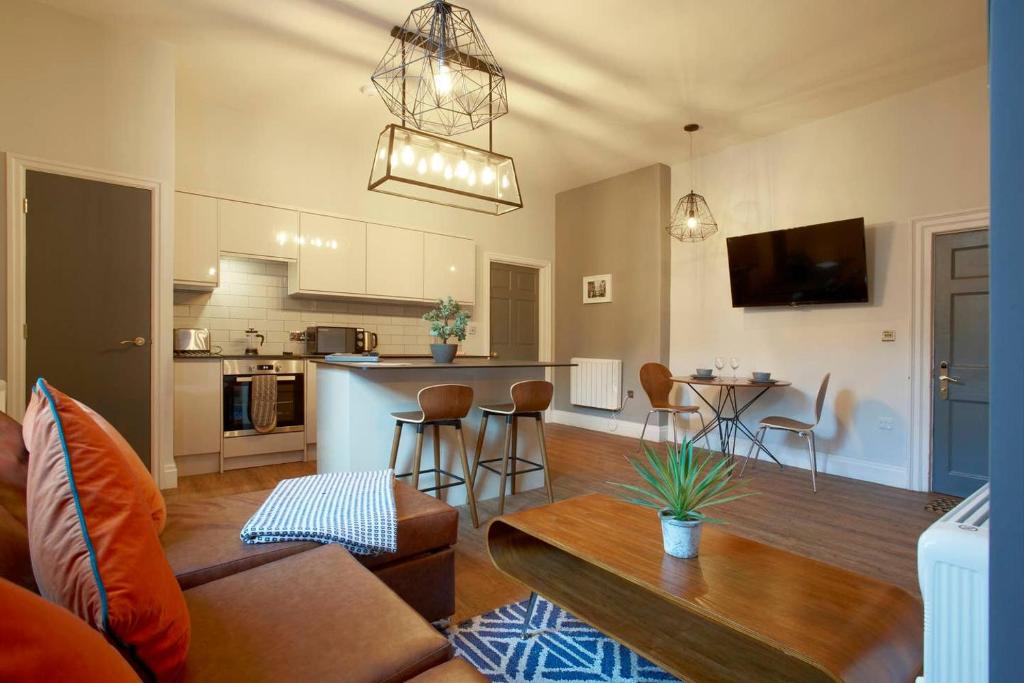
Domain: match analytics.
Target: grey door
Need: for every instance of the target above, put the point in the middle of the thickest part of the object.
(87, 289)
(514, 312)
(960, 404)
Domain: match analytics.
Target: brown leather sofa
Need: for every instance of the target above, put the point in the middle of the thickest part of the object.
(287, 611)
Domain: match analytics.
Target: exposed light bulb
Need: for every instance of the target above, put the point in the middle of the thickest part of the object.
(504, 181)
(471, 179)
(421, 167)
(462, 168)
(382, 154)
(448, 172)
(443, 80)
(487, 176)
(408, 156)
(691, 222)
(394, 159)
(436, 162)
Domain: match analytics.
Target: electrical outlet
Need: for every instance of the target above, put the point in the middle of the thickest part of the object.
(471, 330)
(888, 335)
(885, 423)
(629, 393)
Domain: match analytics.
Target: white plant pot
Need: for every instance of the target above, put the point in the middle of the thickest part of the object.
(681, 539)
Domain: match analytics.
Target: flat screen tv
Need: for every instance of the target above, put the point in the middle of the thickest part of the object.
(815, 264)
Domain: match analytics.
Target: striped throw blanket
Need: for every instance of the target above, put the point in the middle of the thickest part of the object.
(353, 509)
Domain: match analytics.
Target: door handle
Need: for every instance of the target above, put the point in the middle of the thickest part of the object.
(137, 341)
(947, 378)
(494, 354)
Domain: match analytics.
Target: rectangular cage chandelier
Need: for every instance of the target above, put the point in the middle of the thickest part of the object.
(417, 165)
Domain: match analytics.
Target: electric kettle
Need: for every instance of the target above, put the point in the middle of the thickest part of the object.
(251, 347)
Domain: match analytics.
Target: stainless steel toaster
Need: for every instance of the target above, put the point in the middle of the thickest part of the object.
(191, 339)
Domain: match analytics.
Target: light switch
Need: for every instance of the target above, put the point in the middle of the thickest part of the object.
(888, 335)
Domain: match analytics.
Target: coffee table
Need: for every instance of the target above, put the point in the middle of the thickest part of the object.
(742, 611)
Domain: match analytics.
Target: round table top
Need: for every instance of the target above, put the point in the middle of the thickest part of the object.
(730, 382)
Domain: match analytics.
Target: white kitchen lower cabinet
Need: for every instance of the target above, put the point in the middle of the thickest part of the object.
(394, 262)
(310, 380)
(198, 424)
(449, 268)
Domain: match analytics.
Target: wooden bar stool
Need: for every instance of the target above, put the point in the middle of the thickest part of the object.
(441, 405)
(529, 399)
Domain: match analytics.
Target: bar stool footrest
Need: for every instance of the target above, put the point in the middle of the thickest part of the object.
(536, 466)
(455, 480)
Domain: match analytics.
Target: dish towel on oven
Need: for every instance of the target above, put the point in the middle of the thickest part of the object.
(263, 403)
(353, 509)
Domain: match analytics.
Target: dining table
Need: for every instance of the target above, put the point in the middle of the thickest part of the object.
(728, 407)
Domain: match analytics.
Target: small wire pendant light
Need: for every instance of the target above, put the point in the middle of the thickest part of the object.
(691, 219)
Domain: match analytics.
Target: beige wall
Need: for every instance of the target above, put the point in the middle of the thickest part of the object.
(84, 94)
(321, 161)
(920, 153)
(613, 226)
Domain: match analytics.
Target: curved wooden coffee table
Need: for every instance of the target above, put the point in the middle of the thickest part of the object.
(742, 611)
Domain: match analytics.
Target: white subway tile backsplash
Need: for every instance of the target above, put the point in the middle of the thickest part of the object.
(254, 293)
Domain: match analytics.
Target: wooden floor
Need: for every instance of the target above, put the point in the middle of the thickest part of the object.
(867, 528)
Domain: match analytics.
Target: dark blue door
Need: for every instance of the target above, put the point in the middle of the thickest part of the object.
(960, 362)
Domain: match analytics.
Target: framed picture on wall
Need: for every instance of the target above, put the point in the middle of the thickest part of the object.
(597, 289)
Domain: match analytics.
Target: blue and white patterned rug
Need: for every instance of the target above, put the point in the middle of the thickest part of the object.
(560, 648)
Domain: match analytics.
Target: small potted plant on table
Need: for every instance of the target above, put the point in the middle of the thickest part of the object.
(680, 487)
(447, 320)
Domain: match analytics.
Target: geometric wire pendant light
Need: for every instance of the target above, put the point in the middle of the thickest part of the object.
(439, 74)
(691, 219)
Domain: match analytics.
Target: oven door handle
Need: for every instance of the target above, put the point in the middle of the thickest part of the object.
(280, 378)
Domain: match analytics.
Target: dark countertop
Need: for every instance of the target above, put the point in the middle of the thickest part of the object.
(462, 362)
(298, 356)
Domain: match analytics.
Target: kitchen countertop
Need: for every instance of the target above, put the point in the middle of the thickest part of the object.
(297, 356)
(462, 362)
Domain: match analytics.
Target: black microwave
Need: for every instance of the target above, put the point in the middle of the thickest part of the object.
(321, 341)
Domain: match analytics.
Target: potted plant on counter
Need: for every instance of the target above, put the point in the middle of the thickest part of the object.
(447, 321)
(680, 487)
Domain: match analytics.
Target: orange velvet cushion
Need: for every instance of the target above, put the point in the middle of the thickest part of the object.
(147, 487)
(44, 642)
(94, 548)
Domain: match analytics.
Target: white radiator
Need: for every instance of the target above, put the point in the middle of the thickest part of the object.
(596, 383)
(952, 566)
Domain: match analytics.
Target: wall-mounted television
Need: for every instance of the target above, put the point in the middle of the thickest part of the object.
(815, 264)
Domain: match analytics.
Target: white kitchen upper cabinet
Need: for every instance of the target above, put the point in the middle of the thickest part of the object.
(196, 252)
(256, 230)
(198, 426)
(332, 256)
(394, 262)
(449, 268)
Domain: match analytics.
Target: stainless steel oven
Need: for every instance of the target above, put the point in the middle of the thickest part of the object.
(291, 409)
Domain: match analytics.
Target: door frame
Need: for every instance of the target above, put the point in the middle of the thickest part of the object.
(923, 232)
(17, 166)
(545, 340)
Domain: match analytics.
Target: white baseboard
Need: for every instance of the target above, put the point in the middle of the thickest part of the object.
(841, 465)
(598, 423)
(828, 463)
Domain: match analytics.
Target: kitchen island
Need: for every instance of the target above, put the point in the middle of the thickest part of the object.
(354, 402)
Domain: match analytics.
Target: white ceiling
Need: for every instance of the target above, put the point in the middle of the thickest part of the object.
(596, 87)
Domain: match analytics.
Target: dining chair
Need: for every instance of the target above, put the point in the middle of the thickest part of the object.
(786, 424)
(657, 382)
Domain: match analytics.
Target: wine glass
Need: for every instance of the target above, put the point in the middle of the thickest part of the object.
(734, 363)
(719, 363)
